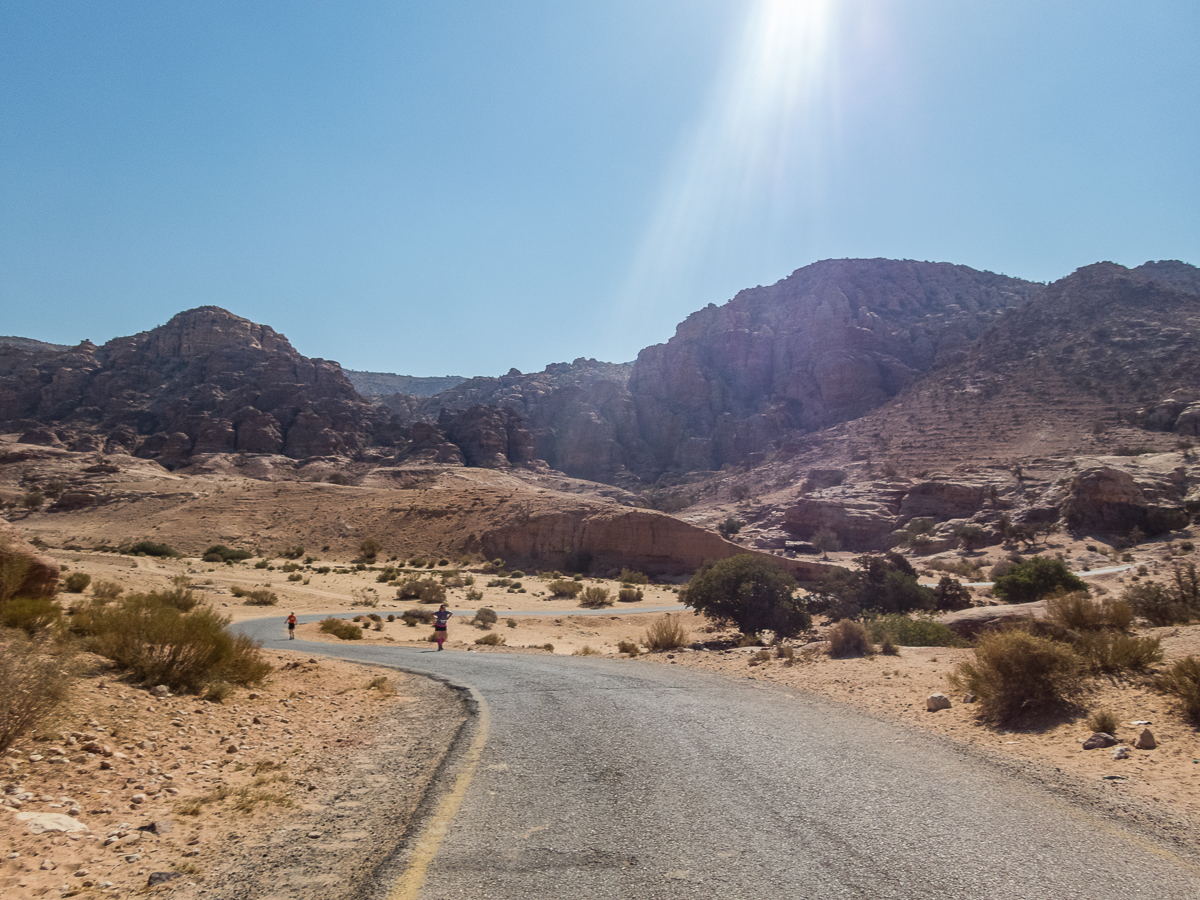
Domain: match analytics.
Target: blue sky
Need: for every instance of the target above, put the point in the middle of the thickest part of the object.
(458, 187)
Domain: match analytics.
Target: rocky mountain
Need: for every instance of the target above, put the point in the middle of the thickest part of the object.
(1079, 407)
(827, 344)
(378, 384)
(28, 343)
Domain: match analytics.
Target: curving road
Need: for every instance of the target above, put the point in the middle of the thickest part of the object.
(618, 779)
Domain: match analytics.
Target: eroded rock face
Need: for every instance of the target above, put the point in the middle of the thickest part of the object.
(488, 436)
(942, 500)
(41, 573)
(640, 539)
(859, 524)
(1107, 499)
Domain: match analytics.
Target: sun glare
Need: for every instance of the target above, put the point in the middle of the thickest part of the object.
(762, 134)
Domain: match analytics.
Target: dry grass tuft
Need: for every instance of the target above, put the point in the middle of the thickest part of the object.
(667, 633)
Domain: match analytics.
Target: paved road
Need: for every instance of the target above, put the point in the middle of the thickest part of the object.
(622, 779)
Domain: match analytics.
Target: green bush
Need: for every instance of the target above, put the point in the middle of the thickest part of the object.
(369, 549)
(340, 628)
(1157, 605)
(629, 576)
(1113, 651)
(33, 683)
(1017, 675)
(667, 633)
(751, 592)
(563, 587)
(221, 553)
(595, 597)
(849, 638)
(1181, 681)
(882, 584)
(30, 614)
(912, 631)
(629, 594)
(150, 548)
(1034, 578)
(152, 639)
(77, 582)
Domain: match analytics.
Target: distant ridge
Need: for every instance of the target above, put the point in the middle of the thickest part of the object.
(375, 384)
(22, 343)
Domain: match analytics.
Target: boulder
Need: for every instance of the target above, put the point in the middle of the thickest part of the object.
(1146, 740)
(935, 702)
(41, 572)
(859, 524)
(942, 500)
(971, 622)
(1099, 740)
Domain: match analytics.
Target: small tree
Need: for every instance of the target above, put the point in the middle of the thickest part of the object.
(369, 549)
(972, 536)
(826, 540)
(730, 526)
(752, 593)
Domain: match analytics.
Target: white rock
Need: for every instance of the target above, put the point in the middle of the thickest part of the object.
(37, 823)
(934, 702)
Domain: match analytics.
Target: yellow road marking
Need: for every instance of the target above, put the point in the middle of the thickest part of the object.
(408, 885)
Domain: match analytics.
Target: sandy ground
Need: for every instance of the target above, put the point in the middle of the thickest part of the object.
(214, 791)
(290, 737)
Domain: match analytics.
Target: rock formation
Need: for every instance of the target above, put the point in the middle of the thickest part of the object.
(24, 572)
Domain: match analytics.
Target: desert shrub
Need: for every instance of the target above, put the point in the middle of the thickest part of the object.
(730, 526)
(255, 597)
(218, 691)
(33, 683)
(486, 617)
(629, 594)
(1156, 604)
(33, 499)
(586, 650)
(1181, 681)
(77, 582)
(629, 576)
(490, 640)
(263, 564)
(411, 617)
(1077, 612)
(667, 633)
(106, 591)
(595, 597)
(887, 648)
(425, 590)
(501, 582)
(30, 614)
(295, 576)
(369, 549)
(628, 647)
(221, 553)
(474, 596)
(292, 553)
(511, 623)
(882, 584)
(150, 548)
(912, 631)
(849, 638)
(155, 641)
(563, 587)
(1115, 651)
(1034, 578)
(340, 628)
(1104, 721)
(290, 567)
(752, 593)
(785, 651)
(417, 562)
(548, 646)
(387, 574)
(1016, 674)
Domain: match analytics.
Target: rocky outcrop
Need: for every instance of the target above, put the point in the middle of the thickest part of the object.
(941, 499)
(859, 524)
(488, 436)
(612, 539)
(1104, 499)
(32, 574)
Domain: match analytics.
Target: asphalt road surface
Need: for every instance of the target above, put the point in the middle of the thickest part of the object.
(597, 778)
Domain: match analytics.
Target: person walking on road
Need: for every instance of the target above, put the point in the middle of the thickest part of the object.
(291, 623)
(440, 618)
